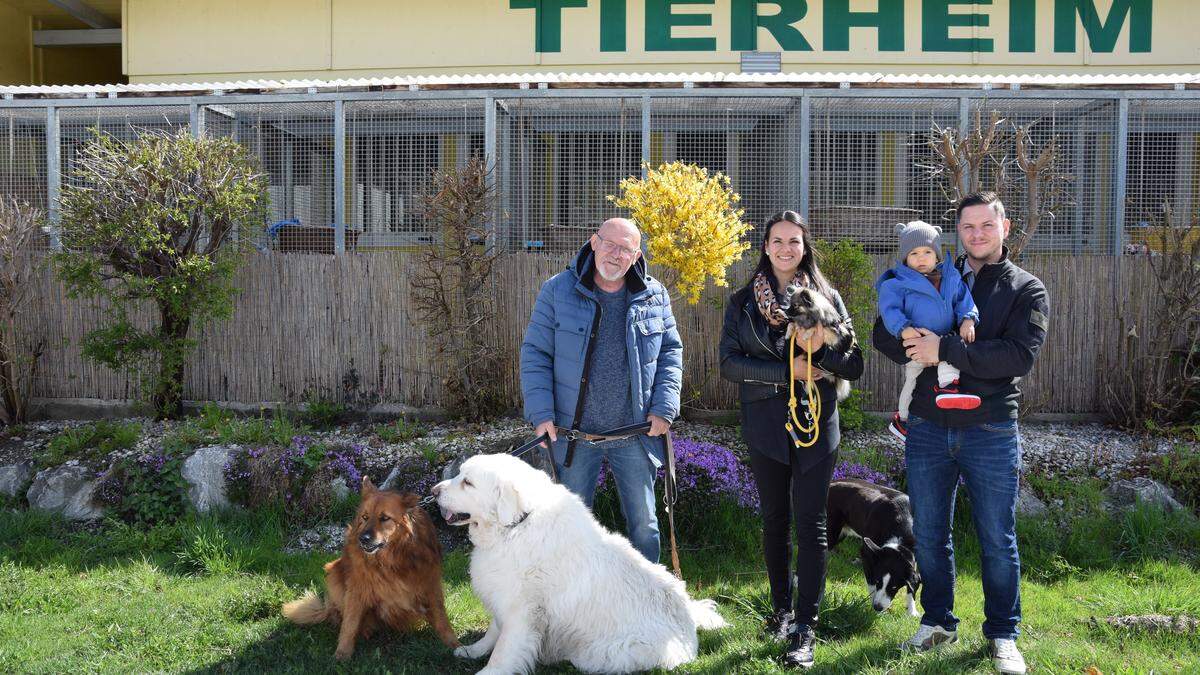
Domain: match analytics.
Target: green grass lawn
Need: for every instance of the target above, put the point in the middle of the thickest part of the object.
(204, 595)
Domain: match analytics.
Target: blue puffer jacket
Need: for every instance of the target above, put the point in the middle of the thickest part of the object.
(907, 298)
(557, 349)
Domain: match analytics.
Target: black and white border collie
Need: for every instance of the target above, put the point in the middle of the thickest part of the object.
(882, 517)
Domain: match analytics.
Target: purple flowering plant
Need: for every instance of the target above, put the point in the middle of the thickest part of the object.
(847, 469)
(144, 489)
(705, 473)
(299, 477)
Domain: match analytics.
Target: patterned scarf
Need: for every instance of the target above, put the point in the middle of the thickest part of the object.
(768, 303)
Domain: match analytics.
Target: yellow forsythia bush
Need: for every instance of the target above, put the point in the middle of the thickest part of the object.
(690, 221)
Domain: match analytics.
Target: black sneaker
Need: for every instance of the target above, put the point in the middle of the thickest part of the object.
(799, 652)
(779, 624)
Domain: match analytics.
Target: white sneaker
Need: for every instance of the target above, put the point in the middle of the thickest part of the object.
(928, 638)
(1007, 658)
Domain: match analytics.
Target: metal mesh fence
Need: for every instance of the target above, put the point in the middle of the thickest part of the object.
(754, 141)
(77, 126)
(394, 148)
(866, 167)
(294, 143)
(1163, 167)
(559, 157)
(1084, 132)
(558, 161)
(23, 159)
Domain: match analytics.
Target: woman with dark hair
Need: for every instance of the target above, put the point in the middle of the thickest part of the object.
(793, 481)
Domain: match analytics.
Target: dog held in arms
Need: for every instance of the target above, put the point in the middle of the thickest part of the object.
(558, 585)
(390, 574)
(883, 518)
(811, 313)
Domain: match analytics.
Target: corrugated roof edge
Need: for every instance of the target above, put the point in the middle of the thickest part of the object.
(567, 80)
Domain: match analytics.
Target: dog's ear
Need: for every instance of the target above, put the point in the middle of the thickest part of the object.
(367, 486)
(914, 583)
(510, 508)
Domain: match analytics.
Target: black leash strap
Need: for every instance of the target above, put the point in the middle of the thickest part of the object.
(670, 495)
(620, 433)
(542, 445)
(522, 449)
(670, 487)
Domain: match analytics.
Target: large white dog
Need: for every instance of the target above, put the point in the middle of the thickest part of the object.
(558, 585)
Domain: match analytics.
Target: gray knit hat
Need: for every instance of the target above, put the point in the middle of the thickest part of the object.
(919, 233)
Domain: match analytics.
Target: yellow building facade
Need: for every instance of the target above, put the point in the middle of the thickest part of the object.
(222, 40)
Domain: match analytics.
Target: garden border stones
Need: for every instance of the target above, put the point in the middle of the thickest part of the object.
(69, 489)
(15, 477)
(204, 472)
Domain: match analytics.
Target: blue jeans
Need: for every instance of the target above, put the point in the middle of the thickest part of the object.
(634, 474)
(988, 458)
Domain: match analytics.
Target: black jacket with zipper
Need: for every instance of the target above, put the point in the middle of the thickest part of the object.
(750, 359)
(1014, 311)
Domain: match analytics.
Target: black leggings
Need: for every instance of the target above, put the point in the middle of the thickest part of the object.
(785, 495)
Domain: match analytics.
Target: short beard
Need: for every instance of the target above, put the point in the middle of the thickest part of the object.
(604, 275)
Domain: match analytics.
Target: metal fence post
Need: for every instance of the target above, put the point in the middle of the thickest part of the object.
(1122, 165)
(53, 177)
(195, 120)
(964, 128)
(339, 177)
(646, 110)
(489, 162)
(805, 153)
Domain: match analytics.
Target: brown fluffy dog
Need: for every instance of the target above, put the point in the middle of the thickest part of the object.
(390, 573)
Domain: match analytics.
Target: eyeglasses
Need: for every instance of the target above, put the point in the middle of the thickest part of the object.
(613, 248)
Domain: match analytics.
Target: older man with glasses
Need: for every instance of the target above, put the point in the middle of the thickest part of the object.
(601, 352)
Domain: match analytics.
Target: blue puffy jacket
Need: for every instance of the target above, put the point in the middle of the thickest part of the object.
(907, 298)
(557, 348)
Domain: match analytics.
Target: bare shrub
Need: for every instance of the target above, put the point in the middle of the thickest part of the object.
(20, 225)
(453, 293)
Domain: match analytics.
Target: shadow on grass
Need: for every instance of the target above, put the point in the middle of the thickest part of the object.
(309, 649)
(232, 542)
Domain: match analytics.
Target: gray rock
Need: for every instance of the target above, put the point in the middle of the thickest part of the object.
(452, 467)
(338, 488)
(1029, 505)
(69, 489)
(14, 477)
(1161, 623)
(204, 472)
(1122, 495)
(323, 539)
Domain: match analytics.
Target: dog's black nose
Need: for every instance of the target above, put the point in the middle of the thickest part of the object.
(366, 538)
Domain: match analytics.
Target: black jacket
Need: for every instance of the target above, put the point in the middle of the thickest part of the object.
(749, 358)
(1014, 311)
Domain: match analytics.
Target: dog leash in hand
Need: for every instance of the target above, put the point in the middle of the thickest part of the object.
(670, 487)
(617, 434)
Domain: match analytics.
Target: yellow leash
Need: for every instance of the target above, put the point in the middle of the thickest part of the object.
(814, 400)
